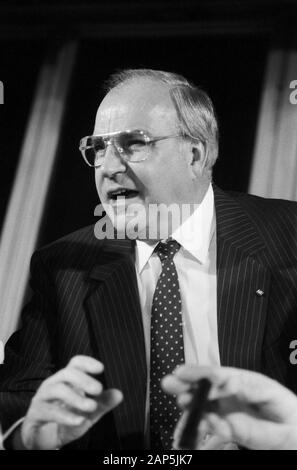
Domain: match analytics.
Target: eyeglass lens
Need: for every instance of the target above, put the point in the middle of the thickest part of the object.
(132, 145)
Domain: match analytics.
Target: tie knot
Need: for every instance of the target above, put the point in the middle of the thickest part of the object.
(166, 250)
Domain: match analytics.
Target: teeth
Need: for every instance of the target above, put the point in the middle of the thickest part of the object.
(116, 193)
(121, 191)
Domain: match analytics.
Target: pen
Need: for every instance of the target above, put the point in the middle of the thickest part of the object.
(194, 413)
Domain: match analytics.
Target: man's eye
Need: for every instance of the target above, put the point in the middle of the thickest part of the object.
(98, 146)
(135, 144)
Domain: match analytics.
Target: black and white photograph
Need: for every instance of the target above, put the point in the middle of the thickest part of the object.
(148, 216)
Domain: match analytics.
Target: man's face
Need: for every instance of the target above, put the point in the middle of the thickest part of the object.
(167, 175)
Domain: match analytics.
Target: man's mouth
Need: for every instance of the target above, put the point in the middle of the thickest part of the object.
(122, 193)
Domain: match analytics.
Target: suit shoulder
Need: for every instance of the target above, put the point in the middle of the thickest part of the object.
(274, 219)
(267, 207)
(74, 249)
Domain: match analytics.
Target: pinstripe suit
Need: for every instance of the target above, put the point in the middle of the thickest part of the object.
(86, 302)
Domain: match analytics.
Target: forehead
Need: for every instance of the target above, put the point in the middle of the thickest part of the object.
(140, 104)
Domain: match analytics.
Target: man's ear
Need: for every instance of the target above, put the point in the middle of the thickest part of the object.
(198, 158)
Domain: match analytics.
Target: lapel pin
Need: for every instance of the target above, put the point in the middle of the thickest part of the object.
(260, 292)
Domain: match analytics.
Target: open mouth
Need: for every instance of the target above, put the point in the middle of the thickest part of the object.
(122, 193)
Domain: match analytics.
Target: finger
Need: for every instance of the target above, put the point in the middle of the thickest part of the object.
(246, 385)
(254, 387)
(191, 373)
(219, 426)
(52, 413)
(184, 399)
(78, 380)
(173, 385)
(86, 364)
(248, 432)
(65, 395)
(213, 442)
(226, 377)
(108, 400)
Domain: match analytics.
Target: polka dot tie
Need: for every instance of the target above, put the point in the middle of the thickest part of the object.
(167, 348)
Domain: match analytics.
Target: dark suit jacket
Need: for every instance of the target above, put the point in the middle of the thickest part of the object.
(86, 301)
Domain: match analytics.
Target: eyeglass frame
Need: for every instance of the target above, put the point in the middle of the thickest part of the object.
(149, 140)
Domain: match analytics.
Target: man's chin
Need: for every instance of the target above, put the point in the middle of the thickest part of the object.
(126, 227)
(137, 221)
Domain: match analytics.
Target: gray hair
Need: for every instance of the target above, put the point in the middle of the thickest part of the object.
(195, 111)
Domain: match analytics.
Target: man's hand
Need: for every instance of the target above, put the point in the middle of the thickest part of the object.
(243, 407)
(66, 405)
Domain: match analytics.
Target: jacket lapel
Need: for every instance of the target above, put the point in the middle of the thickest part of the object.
(115, 316)
(242, 285)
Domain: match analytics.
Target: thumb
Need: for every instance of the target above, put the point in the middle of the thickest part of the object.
(108, 400)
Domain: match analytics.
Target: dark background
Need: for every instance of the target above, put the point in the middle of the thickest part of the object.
(220, 45)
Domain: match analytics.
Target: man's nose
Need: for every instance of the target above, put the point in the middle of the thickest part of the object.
(113, 161)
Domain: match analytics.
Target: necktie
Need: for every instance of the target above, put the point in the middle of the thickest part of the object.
(167, 348)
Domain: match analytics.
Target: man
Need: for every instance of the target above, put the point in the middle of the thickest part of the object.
(220, 287)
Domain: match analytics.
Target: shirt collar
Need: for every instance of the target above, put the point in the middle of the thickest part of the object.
(196, 232)
(143, 253)
(194, 235)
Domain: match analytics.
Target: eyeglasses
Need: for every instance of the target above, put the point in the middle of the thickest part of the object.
(132, 145)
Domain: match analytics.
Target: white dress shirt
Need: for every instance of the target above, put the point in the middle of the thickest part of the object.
(196, 268)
